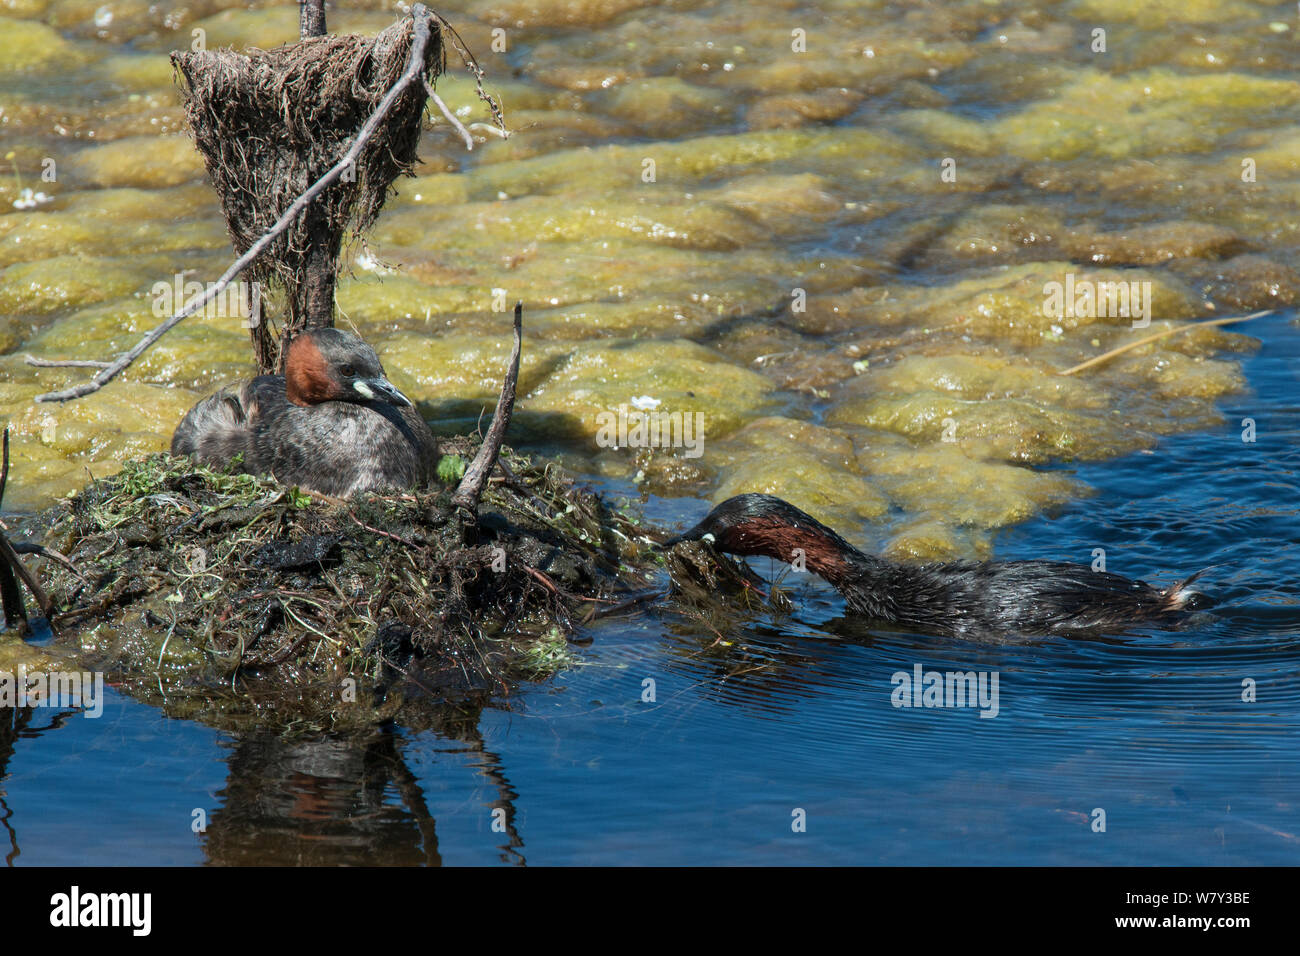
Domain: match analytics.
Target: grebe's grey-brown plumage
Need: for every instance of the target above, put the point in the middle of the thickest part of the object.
(955, 598)
(333, 423)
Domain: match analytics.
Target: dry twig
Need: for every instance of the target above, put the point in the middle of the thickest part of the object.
(1120, 350)
(471, 485)
(12, 568)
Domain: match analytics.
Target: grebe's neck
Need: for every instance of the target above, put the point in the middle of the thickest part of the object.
(761, 525)
(307, 379)
(819, 550)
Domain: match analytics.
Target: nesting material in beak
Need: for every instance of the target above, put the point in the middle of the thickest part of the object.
(691, 535)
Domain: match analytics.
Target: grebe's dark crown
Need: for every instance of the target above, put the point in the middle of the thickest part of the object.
(727, 515)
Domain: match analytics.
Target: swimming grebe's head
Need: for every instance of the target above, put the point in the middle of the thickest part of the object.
(330, 365)
(767, 525)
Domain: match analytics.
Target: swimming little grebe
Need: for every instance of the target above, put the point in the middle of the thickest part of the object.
(332, 423)
(957, 598)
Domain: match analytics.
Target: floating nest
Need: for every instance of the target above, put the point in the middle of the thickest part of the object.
(208, 590)
(232, 599)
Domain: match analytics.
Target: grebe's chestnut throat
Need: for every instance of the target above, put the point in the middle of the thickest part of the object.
(332, 423)
(955, 598)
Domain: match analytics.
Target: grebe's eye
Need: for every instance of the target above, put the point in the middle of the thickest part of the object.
(348, 370)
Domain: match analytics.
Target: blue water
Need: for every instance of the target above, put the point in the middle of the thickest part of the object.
(748, 730)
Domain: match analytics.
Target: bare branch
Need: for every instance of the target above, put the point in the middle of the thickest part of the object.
(31, 547)
(489, 128)
(311, 18)
(451, 117)
(11, 596)
(471, 485)
(65, 363)
(414, 69)
(11, 565)
(45, 602)
(471, 64)
(4, 472)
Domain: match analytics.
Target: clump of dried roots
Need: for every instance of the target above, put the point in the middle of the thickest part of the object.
(270, 123)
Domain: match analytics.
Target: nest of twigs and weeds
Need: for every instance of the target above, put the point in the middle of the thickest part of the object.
(235, 600)
(214, 589)
(712, 588)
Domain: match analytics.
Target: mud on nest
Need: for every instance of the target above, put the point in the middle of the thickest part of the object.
(228, 591)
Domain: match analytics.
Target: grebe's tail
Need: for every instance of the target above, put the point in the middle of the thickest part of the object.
(214, 430)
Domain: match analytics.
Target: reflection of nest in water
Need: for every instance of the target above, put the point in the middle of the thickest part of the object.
(270, 123)
(193, 583)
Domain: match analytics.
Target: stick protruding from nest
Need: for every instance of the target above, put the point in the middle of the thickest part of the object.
(12, 569)
(470, 488)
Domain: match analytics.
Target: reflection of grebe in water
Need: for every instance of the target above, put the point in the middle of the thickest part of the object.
(332, 423)
(1025, 597)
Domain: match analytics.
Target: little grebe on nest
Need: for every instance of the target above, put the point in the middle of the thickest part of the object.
(333, 423)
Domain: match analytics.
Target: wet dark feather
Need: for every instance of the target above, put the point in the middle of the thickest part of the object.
(957, 598)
